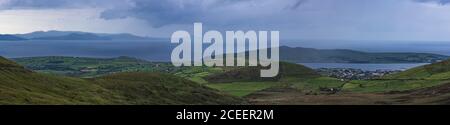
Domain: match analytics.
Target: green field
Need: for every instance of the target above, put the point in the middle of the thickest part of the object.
(307, 85)
(318, 84)
(92, 67)
(370, 86)
(241, 89)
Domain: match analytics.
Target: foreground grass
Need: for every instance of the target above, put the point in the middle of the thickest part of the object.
(315, 85)
(370, 86)
(22, 86)
(197, 74)
(241, 89)
(325, 84)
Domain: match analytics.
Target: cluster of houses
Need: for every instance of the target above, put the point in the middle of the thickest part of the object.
(354, 74)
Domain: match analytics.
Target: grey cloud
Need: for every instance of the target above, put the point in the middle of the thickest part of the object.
(164, 12)
(39, 4)
(161, 13)
(36, 3)
(57, 4)
(440, 2)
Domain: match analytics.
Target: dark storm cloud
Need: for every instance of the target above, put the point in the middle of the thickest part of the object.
(165, 12)
(159, 12)
(37, 3)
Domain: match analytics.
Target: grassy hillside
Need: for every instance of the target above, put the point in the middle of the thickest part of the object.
(127, 80)
(436, 71)
(21, 86)
(252, 74)
(246, 80)
(305, 81)
(318, 85)
(156, 88)
(370, 86)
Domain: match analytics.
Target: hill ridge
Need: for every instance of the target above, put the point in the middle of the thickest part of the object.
(311, 55)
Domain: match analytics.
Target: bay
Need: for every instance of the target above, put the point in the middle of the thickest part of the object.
(365, 66)
(148, 50)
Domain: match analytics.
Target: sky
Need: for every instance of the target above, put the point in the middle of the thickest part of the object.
(371, 20)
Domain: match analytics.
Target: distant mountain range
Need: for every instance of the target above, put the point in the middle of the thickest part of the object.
(75, 36)
(10, 38)
(71, 35)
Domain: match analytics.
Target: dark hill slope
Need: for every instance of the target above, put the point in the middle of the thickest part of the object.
(154, 88)
(436, 95)
(21, 86)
